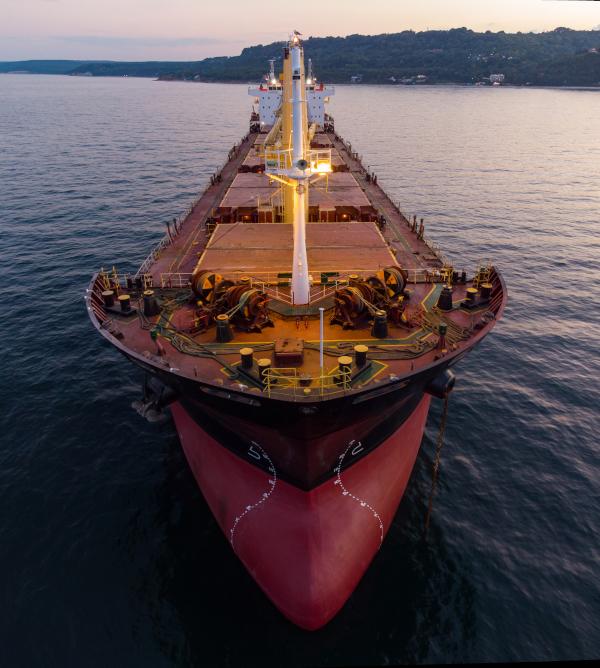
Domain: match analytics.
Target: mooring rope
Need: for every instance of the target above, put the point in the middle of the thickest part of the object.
(436, 462)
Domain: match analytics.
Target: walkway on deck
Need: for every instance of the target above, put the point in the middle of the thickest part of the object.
(179, 256)
(182, 254)
(411, 252)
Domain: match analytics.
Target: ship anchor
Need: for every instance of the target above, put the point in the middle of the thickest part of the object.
(155, 398)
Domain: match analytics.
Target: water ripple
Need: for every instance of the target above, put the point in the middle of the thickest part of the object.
(107, 543)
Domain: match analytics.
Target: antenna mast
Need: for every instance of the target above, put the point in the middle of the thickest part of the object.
(289, 160)
(300, 279)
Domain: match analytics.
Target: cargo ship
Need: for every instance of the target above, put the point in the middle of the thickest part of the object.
(297, 324)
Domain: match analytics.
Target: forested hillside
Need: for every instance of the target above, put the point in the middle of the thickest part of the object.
(562, 57)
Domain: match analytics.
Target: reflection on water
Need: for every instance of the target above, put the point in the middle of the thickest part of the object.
(108, 548)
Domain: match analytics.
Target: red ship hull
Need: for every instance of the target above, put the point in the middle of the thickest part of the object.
(307, 550)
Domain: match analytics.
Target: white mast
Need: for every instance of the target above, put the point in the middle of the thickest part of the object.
(293, 164)
(300, 279)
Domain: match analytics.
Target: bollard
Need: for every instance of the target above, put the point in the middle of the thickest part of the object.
(486, 291)
(264, 365)
(125, 302)
(380, 326)
(150, 304)
(360, 355)
(224, 332)
(247, 358)
(444, 302)
(109, 298)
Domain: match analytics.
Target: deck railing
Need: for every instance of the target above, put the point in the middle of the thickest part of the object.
(153, 255)
(289, 381)
(278, 284)
(168, 239)
(317, 292)
(175, 280)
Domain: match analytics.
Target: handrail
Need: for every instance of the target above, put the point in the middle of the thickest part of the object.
(168, 239)
(112, 280)
(270, 281)
(317, 292)
(153, 255)
(286, 379)
(175, 280)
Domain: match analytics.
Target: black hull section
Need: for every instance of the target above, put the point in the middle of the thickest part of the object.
(304, 439)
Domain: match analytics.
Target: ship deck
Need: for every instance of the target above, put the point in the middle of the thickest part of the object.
(352, 189)
(256, 249)
(228, 232)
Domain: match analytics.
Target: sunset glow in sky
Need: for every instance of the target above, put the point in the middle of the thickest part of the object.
(195, 29)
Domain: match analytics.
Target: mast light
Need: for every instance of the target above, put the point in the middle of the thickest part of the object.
(322, 168)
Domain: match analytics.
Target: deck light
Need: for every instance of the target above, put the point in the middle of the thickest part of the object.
(323, 168)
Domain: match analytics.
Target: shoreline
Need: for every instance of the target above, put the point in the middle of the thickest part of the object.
(448, 84)
(390, 85)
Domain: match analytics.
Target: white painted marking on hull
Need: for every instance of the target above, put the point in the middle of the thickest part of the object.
(338, 481)
(252, 451)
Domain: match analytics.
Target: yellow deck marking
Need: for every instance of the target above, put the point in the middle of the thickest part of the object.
(394, 259)
(382, 368)
(378, 342)
(428, 295)
(185, 249)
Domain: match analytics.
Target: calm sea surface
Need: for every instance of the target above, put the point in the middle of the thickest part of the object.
(108, 553)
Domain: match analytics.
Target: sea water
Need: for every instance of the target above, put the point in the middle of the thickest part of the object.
(109, 554)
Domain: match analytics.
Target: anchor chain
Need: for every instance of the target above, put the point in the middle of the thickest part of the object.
(436, 463)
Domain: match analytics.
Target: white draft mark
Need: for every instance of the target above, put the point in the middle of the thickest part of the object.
(258, 455)
(338, 481)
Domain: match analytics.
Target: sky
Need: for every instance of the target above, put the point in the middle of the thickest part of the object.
(196, 29)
